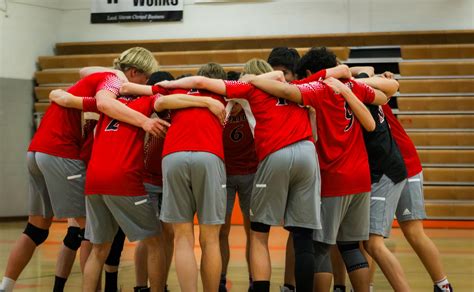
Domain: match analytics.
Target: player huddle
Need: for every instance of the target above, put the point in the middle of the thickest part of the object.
(323, 155)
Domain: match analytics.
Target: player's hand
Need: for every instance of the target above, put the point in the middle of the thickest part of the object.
(123, 88)
(218, 109)
(247, 77)
(388, 75)
(156, 127)
(336, 85)
(59, 96)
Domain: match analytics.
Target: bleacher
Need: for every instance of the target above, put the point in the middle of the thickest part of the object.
(435, 102)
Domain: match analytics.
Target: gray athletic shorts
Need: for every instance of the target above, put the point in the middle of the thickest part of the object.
(287, 188)
(56, 186)
(243, 185)
(155, 193)
(383, 203)
(344, 218)
(193, 182)
(134, 214)
(411, 205)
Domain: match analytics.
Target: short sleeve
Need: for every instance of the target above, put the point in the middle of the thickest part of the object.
(89, 104)
(238, 89)
(111, 83)
(311, 92)
(318, 76)
(365, 93)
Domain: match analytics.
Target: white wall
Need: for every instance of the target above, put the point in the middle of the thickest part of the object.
(27, 32)
(276, 17)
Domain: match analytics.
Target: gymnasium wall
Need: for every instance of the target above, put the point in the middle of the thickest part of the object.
(27, 32)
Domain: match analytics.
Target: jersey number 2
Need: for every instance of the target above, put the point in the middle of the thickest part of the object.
(112, 126)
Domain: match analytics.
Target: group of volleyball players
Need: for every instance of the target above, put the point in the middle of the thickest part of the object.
(312, 146)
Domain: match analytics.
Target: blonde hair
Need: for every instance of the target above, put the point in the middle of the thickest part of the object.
(257, 67)
(212, 70)
(138, 58)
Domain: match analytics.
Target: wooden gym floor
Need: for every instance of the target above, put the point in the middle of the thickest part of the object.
(456, 247)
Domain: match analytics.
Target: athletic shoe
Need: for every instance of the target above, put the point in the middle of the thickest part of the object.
(285, 289)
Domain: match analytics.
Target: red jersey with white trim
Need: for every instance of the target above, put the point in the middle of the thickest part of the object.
(405, 144)
(60, 133)
(194, 129)
(341, 149)
(116, 165)
(239, 146)
(276, 123)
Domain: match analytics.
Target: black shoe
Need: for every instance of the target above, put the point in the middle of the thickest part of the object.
(446, 288)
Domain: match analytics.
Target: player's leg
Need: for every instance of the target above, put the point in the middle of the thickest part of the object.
(410, 213)
(289, 277)
(37, 228)
(224, 233)
(260, 256)
(141, 268)
(168, 238)
(178, 208)
(354, 229)
(209, 189)
(302, 214)
(185, 261)
(338, 270)
(247, 250)
(101, 229)
(113, 261)
(384, 199)
(322, 266)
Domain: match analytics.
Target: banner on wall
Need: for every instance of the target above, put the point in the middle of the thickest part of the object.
(113, 11)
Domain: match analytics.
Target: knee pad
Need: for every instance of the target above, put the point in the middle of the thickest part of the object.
(259, 227)
(322, 257)
(73, 237)
(113, 259)
(36, 234)
(302, 239)
(352, 256)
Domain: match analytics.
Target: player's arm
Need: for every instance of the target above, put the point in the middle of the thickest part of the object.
(339, 72)
(65, 99)
(369, 70)
(130, 88)
(197, 82)
(273, 75)
(179, 101)
(86, 71)
(109, 105)
(278, 89)
(385, 88)
(358, 108)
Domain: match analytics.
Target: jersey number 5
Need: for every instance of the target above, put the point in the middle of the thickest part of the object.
(112, 126)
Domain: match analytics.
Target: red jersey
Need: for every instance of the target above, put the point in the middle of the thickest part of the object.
(87, 140)
(239, 146)
(116, 165)
(60, 133)
(404, 143)
(341, 149)
(153, 155)
(194, 129)
(276, 123)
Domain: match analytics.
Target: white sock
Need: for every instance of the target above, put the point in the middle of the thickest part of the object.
(443, 284)
(7, 284)
(371, 287)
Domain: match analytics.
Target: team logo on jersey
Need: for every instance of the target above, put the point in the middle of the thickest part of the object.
(349, 116)
(381, 115)
(112, 126)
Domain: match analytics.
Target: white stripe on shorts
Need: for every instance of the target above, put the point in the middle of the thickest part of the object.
(261, 185)
(74, 176)
(141, 202)
(378, 198)
(413, 179)
(223, 186)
